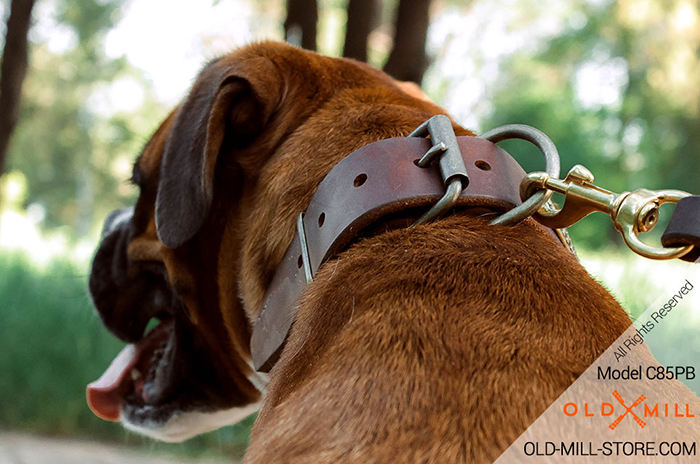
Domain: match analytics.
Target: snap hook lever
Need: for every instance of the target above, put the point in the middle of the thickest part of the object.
(632, 213)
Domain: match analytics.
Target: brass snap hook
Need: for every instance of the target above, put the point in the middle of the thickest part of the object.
(639, 212)
(632, 213)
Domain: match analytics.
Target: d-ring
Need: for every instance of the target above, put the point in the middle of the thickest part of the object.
(552, 167)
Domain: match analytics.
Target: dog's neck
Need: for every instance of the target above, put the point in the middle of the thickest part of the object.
(403, 320)
(380, 182)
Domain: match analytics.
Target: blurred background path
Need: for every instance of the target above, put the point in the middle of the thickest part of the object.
(17, 448)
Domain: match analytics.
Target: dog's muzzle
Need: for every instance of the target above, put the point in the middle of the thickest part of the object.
(164, 383)
(126, 295)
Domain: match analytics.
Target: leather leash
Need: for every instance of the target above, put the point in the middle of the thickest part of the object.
(684, 227)
(369, 184)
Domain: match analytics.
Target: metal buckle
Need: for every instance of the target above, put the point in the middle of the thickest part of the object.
(632, 212)
(452, 168)
(305, 259)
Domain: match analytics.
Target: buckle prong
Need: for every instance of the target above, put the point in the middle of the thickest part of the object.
(431, 154)
(452, 169)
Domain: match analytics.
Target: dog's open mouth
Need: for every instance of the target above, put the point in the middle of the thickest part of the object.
(141, 379)
(168, 382)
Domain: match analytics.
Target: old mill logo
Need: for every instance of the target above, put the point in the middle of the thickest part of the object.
(628, 410)
(608, 409)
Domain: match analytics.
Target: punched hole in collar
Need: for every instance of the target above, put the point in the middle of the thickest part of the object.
(300, 262)
(483, 165)
(359, 180)
(321, 219)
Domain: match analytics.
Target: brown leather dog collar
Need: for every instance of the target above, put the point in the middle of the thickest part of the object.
(369, 184)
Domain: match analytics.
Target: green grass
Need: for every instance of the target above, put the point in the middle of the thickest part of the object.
(51, 345)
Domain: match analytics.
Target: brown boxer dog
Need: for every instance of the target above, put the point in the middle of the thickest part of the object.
(440, 343)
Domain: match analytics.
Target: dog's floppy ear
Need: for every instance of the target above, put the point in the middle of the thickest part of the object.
(232, 101)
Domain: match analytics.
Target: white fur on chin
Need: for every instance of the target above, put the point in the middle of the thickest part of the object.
(184, 425)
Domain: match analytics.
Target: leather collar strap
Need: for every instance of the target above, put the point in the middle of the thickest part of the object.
(375, 181)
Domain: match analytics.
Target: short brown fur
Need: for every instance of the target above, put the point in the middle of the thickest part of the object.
(437, 344)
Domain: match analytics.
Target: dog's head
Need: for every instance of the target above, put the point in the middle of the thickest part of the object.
(221, 184)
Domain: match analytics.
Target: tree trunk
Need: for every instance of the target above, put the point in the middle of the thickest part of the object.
(301, 22)
(363, 18)
(13, 69)
(408, 61)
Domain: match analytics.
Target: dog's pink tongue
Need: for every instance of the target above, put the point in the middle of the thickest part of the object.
(106, 394)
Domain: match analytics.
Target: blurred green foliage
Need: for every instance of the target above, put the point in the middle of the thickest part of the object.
(52, 342)
(75, 155)
(618, 92)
